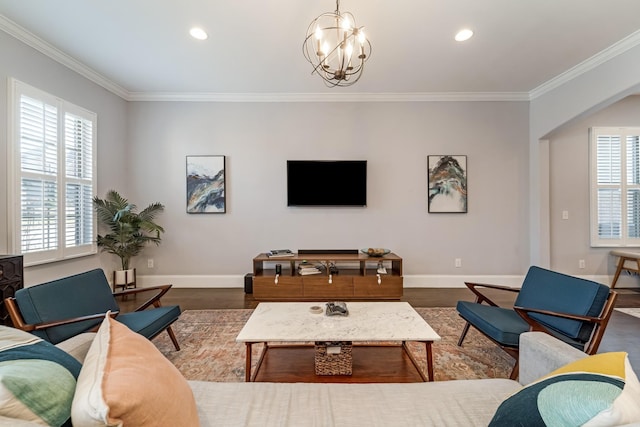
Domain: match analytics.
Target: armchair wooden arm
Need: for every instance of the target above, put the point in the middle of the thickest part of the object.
(480, 297)
(154, 300)
(19, 323)
(524, 312)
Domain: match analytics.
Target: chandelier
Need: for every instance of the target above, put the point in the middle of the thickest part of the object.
(336, 48)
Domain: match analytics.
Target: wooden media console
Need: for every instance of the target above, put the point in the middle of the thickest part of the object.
(357, 277)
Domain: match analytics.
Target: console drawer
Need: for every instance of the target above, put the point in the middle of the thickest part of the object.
(368, 286)
(319, 287)
(264, 287)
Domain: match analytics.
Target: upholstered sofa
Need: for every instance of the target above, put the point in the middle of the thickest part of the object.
(152, 392)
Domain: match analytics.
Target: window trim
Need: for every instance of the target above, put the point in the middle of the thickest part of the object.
(62, 252)
(595, 239)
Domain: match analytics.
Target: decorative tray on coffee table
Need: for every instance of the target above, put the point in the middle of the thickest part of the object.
(337, 308)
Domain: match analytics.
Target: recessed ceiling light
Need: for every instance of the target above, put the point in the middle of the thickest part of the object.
(198, 33)
(464, 35)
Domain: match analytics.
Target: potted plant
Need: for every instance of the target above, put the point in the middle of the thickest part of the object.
(128, 231)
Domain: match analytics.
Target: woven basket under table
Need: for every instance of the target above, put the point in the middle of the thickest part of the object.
(334, 364)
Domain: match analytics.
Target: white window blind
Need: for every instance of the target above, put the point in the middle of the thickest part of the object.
(79, 181)
(53, 170)
(615, 186)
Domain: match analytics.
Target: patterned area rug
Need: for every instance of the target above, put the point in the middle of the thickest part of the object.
(209, 351)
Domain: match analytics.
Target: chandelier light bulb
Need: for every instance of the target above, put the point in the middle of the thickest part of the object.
(330, 44)
(349, 51)
(325, 49)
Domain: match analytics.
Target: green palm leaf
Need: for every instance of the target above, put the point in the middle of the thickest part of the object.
(128, 230)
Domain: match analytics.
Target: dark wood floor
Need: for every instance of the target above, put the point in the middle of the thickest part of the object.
(203, 299)
(623, 332)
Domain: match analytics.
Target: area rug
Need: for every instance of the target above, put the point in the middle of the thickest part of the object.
(209, 351)
(635, 312)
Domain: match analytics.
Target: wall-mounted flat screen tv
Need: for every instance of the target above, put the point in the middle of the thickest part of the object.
(326, 182)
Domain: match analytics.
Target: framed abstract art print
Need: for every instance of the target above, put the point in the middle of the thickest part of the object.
(447, 184)
(206, 184)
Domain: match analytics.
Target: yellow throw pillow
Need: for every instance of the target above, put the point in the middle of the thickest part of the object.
(599, 390)
(126, 381)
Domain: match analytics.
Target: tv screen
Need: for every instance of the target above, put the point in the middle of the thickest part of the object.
(326, 182)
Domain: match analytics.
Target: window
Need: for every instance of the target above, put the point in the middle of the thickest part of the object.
(615, 186)
(52, 161)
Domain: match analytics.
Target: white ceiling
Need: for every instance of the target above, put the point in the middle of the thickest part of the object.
(143, 47)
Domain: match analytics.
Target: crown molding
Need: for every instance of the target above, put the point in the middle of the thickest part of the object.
(327, 97)
(57, 55)
(587, 65)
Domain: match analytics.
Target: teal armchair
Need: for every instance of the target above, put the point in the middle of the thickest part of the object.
(571, 309)
(63, 308)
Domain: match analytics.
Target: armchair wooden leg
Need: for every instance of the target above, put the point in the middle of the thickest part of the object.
(621, 261)
(173, 338)
(464, 333)
(515, 371)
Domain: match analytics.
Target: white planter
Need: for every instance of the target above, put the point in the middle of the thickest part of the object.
(124, 277)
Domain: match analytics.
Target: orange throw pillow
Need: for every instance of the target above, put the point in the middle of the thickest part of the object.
(126, 381)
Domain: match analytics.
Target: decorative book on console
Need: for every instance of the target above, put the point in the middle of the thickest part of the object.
(308, 271)
(306, 268)
(278, 253)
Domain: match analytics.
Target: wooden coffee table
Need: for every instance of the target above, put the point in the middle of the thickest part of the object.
(376, 324)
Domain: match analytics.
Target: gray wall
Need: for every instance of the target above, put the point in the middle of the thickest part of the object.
(395, 139)
(569, 177)
(571, 96)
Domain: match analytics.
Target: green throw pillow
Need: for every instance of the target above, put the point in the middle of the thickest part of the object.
(599, 390)
(37, 379)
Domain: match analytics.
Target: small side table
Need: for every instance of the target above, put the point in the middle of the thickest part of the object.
(624, 256)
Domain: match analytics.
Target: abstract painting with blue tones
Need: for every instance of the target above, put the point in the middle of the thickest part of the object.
(447, 184)
(206, 184)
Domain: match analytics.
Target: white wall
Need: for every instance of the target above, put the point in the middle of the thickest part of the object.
(29, 66)
(569, 175)
(395, 139)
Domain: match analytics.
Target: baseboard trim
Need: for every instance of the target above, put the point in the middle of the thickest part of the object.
(410, 281)
(441, 281)
(193, 281)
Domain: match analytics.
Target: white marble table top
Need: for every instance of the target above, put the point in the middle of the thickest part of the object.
(367, 321)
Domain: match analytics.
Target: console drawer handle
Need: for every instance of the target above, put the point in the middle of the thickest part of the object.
(330, 279)
(276, 279)
(379, 279)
